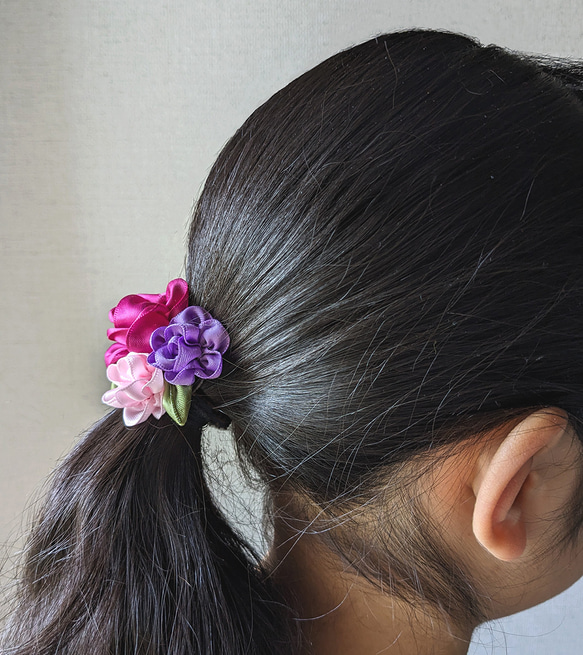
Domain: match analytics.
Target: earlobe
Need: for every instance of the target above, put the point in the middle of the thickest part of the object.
(506, 481)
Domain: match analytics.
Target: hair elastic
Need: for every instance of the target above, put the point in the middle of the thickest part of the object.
(161, 344)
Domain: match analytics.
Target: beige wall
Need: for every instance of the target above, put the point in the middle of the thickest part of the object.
(111, 113)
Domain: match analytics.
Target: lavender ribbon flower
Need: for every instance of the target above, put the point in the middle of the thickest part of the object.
(192, 345)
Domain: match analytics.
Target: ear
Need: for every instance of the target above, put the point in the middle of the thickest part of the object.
(508, 480)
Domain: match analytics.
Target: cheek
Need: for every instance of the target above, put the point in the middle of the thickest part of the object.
(572, 569)
(567, 569)
(554, 573)
(569, 566)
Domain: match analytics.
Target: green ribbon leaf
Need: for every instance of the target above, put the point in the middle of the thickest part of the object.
(176, 402)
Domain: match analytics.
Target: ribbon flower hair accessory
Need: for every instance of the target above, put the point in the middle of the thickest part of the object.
(160, 346)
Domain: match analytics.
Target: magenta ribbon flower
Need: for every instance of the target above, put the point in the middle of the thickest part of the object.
(192, 345)
(135, 318)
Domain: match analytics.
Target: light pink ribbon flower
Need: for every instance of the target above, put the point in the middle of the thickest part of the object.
(139, 388)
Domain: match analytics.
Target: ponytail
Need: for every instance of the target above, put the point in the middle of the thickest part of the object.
(131, 555)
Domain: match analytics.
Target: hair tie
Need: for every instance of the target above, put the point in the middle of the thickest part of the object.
(161, 344)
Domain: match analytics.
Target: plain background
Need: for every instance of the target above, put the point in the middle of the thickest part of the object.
(111, 113)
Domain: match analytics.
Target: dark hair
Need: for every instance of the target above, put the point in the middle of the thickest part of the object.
(394, 242)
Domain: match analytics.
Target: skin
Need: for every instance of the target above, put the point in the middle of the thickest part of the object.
(501, 505)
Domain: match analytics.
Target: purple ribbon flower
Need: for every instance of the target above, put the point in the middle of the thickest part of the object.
(192, 345)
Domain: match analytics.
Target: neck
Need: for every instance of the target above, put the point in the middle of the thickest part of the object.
(342, 614)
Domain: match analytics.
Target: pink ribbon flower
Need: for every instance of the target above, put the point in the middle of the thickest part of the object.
(135, 318)
(139, 388)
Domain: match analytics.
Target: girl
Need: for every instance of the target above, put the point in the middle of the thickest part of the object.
(384, 301)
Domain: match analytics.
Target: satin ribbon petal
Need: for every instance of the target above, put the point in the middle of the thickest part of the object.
(114, 353)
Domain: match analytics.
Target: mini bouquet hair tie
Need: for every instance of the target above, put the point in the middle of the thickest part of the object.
(160, 346)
